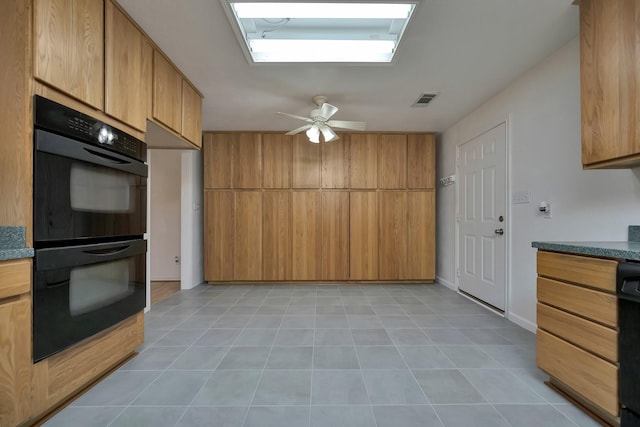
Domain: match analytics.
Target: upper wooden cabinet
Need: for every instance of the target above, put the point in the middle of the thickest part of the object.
(392, 161)
(127, 69)
(191, 114)
(167, 93)
(363, 160)
(421, 161)
(610, 83)
(69, 47)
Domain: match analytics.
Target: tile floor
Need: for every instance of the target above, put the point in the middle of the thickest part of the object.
(346, 356)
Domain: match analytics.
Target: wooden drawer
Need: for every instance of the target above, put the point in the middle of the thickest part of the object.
(594, 305)
(15, 277)
(593, 378)
(593, 337)
(592, 272)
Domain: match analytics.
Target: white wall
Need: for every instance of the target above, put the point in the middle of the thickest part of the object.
(164, 230)
(543, 112)
(192, 220)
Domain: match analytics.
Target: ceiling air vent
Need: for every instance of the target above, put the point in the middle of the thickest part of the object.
(424, 99)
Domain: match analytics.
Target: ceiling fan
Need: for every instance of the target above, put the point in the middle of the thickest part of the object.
(319, 122)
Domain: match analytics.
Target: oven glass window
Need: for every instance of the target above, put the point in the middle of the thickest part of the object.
(97, 189)
(97, 286)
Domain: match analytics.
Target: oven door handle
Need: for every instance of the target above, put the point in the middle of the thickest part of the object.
(76, 256)
(51, 143)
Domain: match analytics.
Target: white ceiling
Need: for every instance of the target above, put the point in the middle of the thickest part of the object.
(465, 49)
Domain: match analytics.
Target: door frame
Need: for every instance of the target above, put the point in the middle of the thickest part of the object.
(507, 261)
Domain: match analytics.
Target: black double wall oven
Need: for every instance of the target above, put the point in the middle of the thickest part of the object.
(90, 216)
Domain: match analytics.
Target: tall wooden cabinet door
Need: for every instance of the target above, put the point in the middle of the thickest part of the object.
(307, 240)
(218, 236)
(421, 161)
(392, 161)
(335, 163)
(218, 160)
(421, 236)
(15, 362)
(276, 160)
(276, 235)
(167, 93)
(363, 235)
(69, 47)
(306, 163)
(335, 235)
(125, 86)
(610, 79)
(191, 114)
(392, 230)
(363, 160)
(247, 236)
(247, 161)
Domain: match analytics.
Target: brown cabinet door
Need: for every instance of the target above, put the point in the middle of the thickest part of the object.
(247, 236)
(191, 114)
(126, 85)
(69, 47)
(15, 362)
(247, 161)
(218, 160)
(392, 161)
(218, 236)
(335, 163)
(392, 231)
(421, 236)
(335, 235)
(306, 163)
(610, 79)
(363, 160)
(276, 235)
(276, 157)
(307, 240)
(421, 161)
(363, 235)
(167, 93)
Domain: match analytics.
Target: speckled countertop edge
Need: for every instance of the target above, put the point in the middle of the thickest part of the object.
(13, 242)
(622, 250)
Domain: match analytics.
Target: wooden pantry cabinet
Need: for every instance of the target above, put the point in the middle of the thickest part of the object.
(577, 338)
(278, 208)
(610, 83)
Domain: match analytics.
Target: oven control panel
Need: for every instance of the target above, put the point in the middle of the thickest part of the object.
(63, 120)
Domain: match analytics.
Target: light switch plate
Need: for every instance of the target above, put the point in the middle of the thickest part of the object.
(520, 197)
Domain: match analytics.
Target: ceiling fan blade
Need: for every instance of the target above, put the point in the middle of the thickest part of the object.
(328, 133)
(327, 110)
(298, 130)
(293, 116)
(346, 124)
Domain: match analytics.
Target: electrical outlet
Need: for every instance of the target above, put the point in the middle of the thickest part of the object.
(520, 197)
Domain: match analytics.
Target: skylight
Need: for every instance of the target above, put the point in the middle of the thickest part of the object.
(319, 32)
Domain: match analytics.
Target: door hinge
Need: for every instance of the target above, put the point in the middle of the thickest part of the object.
(457, 272)
(458, 217)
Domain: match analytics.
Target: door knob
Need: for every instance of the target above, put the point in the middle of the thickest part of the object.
(499, 231)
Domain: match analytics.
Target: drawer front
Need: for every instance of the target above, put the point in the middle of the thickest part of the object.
(593, 378)
(595, 305)
(593, 337)
(15, 277)
(592, 272)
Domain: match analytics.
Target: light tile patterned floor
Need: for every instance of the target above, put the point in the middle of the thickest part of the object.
(318, 356)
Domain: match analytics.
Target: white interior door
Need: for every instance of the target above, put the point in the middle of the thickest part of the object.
(482, 217)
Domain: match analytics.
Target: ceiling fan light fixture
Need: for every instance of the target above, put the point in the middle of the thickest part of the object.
(328, 134)
(313, 133)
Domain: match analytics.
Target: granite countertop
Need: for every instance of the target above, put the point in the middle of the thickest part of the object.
(622, 250)
(13, 243)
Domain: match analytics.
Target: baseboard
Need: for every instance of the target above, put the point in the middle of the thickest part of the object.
(522, 322)
(446, 283)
